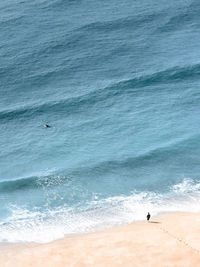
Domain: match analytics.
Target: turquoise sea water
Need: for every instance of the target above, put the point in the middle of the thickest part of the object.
(119, 82)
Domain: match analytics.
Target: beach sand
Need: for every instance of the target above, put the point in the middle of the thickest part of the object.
(169, 240)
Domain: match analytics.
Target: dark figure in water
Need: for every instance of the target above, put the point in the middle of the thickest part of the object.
(47, 126)
(148, 216)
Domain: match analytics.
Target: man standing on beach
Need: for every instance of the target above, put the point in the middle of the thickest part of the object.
(148, 216)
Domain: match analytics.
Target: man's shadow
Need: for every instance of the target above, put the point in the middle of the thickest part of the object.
(153, 222)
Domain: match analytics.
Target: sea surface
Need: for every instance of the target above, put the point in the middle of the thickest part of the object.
(119, 84)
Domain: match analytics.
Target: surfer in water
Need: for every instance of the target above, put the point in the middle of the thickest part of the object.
(148, 216)
(47, 126)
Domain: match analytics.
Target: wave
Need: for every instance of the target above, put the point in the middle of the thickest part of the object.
(10, 21)
(121, 23)
(151, 157)
(25, 225)
(86, 101)
(77, 37)
(183, 18)
(35, 182)
(70, 39)
(59, 4)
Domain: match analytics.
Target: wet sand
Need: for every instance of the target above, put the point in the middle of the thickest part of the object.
(169, 240)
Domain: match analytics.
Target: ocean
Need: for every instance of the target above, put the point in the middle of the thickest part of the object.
(119, 84)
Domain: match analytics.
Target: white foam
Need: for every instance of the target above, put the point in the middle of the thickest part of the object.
(34, 226)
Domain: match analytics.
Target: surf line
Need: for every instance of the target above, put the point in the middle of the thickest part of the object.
(179, 239)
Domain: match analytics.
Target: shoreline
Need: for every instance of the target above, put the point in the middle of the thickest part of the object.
(94, 230)
(170, 239)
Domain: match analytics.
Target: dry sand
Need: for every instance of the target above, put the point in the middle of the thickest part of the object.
(170, 240)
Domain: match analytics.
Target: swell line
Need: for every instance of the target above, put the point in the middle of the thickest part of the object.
(129, 87)
(153, 156)
(33, 183)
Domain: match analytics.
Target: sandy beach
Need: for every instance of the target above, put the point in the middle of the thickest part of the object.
(169, 240)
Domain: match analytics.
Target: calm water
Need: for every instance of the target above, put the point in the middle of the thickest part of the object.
(119, 82)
